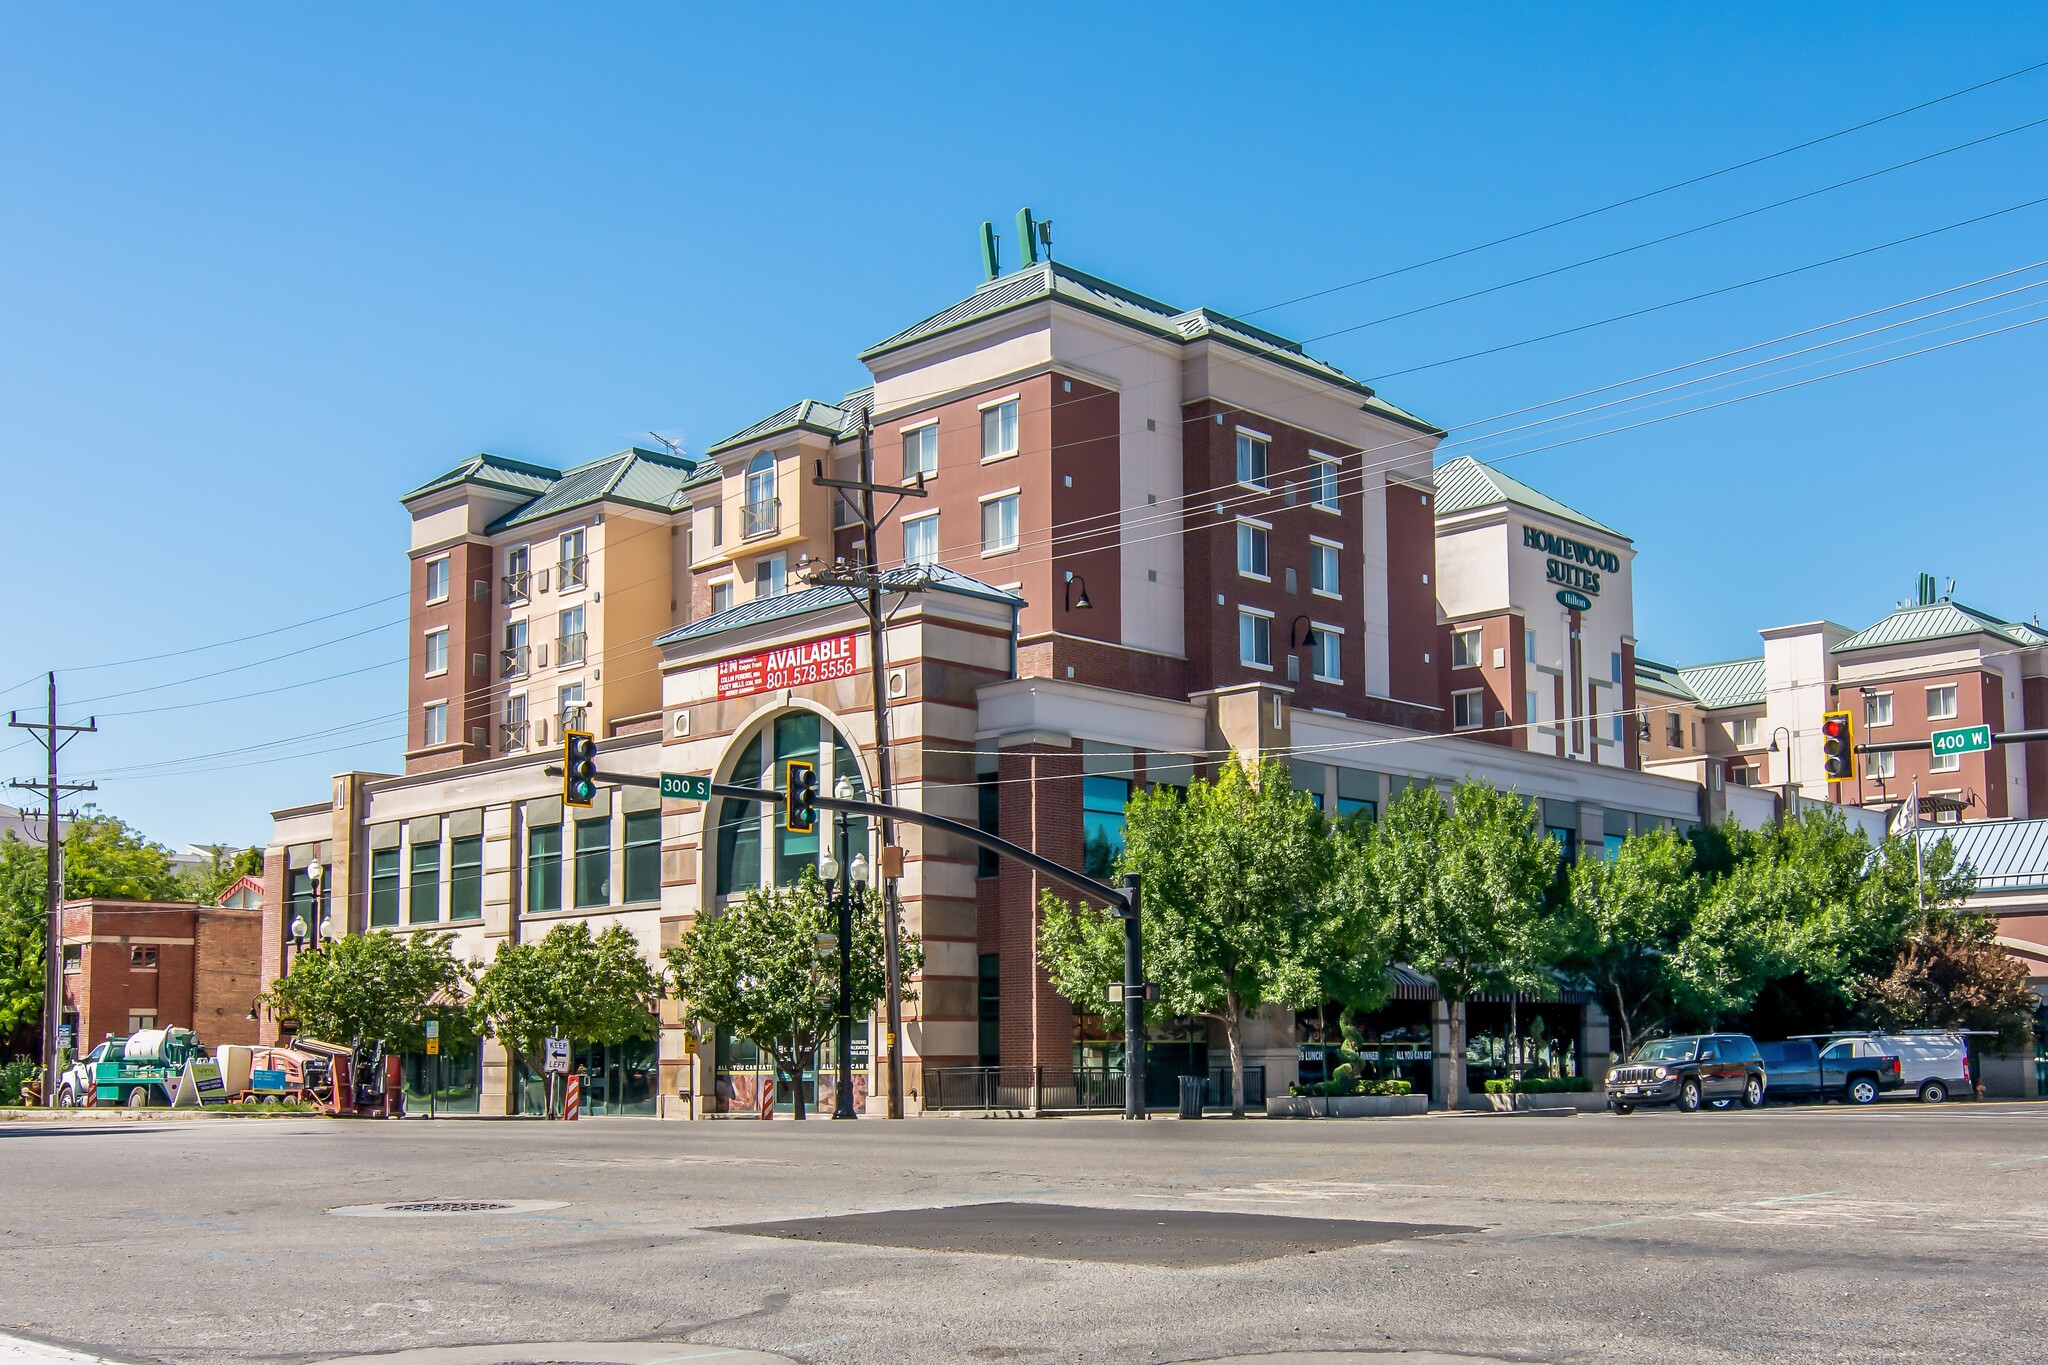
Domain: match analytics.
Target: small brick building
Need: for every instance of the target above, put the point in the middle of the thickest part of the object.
(131, 965)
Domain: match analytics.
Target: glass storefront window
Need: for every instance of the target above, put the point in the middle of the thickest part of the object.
(792, 735)
(1102, 823)
(456, 1082)
(643, 856)
(543, 868)
(384, 888)
(623, 1078)
(593, 862)
(466, 878)
(424, 903)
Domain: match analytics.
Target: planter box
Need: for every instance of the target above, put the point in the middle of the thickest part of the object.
(1345, 1107)
(1585, 1101)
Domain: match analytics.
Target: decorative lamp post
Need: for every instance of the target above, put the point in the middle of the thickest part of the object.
(856, 883)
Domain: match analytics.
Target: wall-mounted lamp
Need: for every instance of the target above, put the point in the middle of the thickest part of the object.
(1077, 592)
(1302, 632)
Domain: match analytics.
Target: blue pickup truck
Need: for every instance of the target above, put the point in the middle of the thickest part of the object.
(1855, 1070)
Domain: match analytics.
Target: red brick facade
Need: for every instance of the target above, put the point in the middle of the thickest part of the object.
(168, 963)
(467, 691)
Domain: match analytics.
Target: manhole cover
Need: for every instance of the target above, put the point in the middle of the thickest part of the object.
(446, 1208)
(1067, 1232)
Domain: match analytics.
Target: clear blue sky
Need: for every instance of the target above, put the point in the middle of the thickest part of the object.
(262, 270)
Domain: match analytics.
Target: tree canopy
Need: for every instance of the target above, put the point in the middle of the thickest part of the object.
(569, 983)
(379, 987)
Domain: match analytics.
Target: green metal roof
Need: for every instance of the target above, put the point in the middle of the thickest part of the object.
(489, 471)
(1738, 682)
(1465, 483)
(806, 414)
(1656, 677)
(1940, 621)
(640, 478)
(1059, 281)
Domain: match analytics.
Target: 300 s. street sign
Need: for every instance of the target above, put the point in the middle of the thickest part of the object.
(685, 787)
(1968, 739)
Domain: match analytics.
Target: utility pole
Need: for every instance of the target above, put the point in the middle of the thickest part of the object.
(863, 581)
(54, 791)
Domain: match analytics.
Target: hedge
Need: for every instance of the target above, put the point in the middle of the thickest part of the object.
(1541, 1085)
(1338, 1089)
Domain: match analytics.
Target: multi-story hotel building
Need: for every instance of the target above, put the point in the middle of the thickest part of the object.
(1150, 540)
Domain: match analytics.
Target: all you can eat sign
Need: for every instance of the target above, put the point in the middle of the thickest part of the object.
(813, 661)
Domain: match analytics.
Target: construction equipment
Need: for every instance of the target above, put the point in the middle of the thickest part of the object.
(142, 1071)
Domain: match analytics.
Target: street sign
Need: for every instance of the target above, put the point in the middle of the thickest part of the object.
(558, 1055)
(1969, 739)
(689, 1044)
(433, 1028)
(685, 787)
(433, 1046)
(64, 1037)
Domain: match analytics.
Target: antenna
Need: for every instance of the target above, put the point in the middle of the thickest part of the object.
(672, 447)
(1027, 237)
(991, 251)
(1045, 236)
(1951, 587)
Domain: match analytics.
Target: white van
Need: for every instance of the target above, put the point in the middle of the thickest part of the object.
(1932, 1063)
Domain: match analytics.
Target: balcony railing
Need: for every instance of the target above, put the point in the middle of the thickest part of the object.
(760, 518)
(512, 662)
(574, 570)
(518, 587)
(512, 737)
(569, 648)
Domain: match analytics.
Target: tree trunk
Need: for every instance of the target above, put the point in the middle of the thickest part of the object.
(1233, 1026)
(1454, 1089)
(796, 1086)
(1628, 1037)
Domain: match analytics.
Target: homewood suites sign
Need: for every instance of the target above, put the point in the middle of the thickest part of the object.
(1572, 564)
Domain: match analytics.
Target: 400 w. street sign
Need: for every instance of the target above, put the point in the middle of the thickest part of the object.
(1968, 739)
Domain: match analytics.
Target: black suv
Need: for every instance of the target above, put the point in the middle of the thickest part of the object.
(1689, 1073)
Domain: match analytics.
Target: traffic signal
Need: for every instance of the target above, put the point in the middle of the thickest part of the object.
(1838, 746)
(801, 815)
(579, 768)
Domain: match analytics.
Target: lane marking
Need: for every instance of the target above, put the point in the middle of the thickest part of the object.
(21, 1351)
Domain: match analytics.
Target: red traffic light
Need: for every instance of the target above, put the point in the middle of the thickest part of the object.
(1838, 746)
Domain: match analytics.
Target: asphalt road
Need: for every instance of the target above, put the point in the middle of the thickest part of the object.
(1900, 1233)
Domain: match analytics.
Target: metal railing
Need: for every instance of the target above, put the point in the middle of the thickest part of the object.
(574, 569)
(1103, 1087)
(512, 737)
(518, 587)
(985, 1087)
(569, 648)
(759, 518)
(512, 662)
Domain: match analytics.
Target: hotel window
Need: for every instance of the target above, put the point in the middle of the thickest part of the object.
(771, 576)
(921, 452)
(755, 846)
(721, 597)
(423, 899)
(1102, 823)
(512, 733)
(999, 430)
(1468, 709)
(593, 862)
(714, 517)
(433, 724)
(575, 564)
(1326, 654)
(1941, 702)
(999, 524)
(1323, 481)
(1254, 639)
(569, 639)
(1621, 729)
(512, 663)
(758, 511)
(988, 810)
(1877, 710)
(437, 652)
(1251, 550)
(1528, 644)
(1743, 732)
(1467, 649)
(1881, 765)
(1614, 662)
(1674, 731)
(1322, 569)
(1529, 705)
(518, 581)
(569, 709)
(543, 868)
(1251, 460)
(921, 539)
(466, 877)
(1945, 763)
(437, 579)
(383, 888)
(643, 856)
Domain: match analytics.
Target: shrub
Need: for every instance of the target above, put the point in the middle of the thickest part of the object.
(1341, 1087)
(13, 1076)
(1541, 1085)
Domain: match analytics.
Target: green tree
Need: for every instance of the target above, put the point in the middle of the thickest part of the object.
(205, 885)
(1233, 876)
(570, 983)
(1953, 974)
(766, 969)
(103, 857)
(379, 987)
(1466, 881)
(1627, 915)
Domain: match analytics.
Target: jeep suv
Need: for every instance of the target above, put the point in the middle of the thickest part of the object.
(1689, 1073)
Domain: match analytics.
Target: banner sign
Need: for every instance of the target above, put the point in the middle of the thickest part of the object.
(771, 670)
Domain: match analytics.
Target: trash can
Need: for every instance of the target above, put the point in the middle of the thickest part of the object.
(1191, 1088)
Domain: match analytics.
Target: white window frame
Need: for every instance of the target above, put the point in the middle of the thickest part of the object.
(1317, 547)
(1884, 765)
(1476, 636)
(1264, 529)
(427, 651)
(1320, 633)
(782, 573)
(1016, 428)
(1742, 732)
(1955, 701)
(920, 521)
(1478, 720)
(1265, 480)
(1870, 700)
(927, 430)
(1255, 614)
(1014, 496)
(1323, 471)
(562, 558)
(1945, 763)
(731, 587)
(447, 578)
(440, 704)
(562, 659)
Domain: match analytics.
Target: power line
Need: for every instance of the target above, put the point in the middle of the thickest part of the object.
(238, 640)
